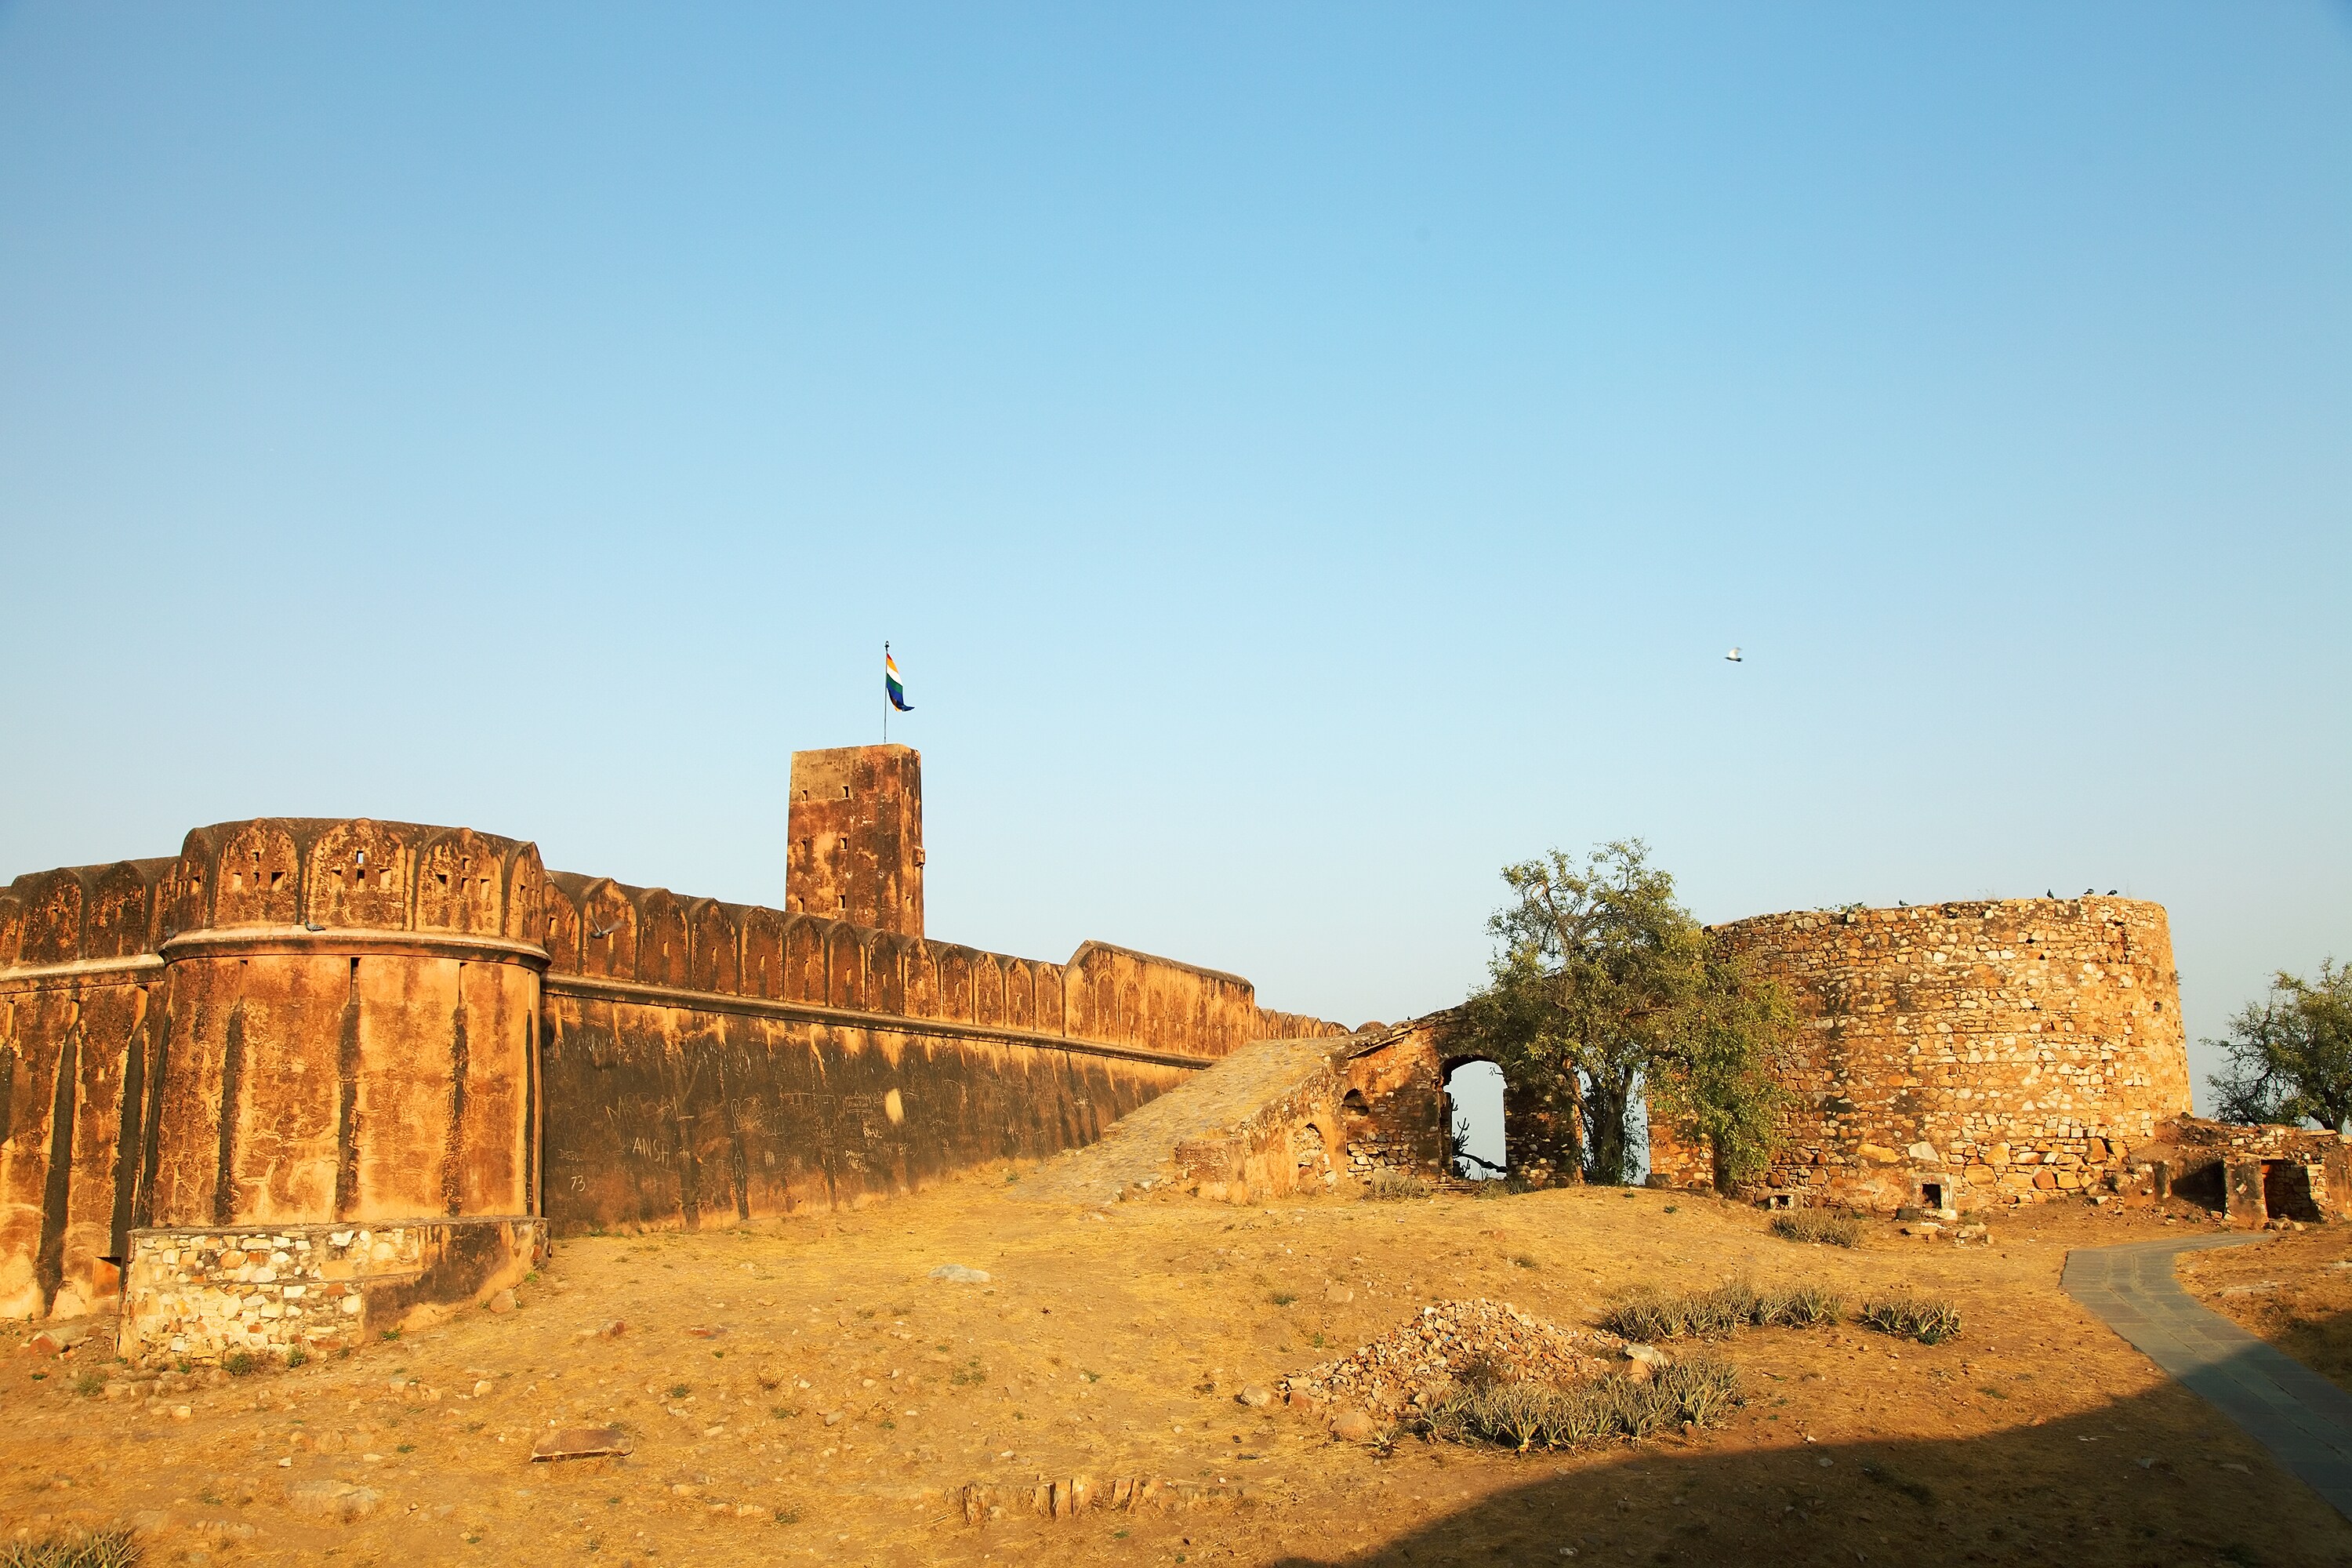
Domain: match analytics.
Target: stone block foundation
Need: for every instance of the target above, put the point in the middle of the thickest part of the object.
(203, 1294)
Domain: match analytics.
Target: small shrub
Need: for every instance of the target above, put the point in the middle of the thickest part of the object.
(969, 1374)
(784, 1412)
(89, 1382)
(1523, 1261)
(1394, 1186)
(1929, 1320)
(297, 1357)
(237, 1363)
(679, 1390)
(1818, 1225)
(1654, 1315)
(100, 1549)
(1490, 1187)
(390, 1336)
(1802, 1306)
(1281, 1298)
(1525, 1416)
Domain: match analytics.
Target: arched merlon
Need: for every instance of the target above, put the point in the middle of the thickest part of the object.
(303, 1020)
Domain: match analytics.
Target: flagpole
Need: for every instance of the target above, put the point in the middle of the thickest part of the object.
(885, 692)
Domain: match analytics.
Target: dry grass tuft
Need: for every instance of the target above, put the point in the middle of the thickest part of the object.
(1928, 1319)
(1525, 1416)
(1394, 1186)
(1711, 1314)
(96, 1549)
(1818, 1225)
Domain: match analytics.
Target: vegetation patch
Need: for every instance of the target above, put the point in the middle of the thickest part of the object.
(1711, 1314)
(1525, 1416)
(98, 1549)
(1823, 1225)
(1928, 1319)
(1394, 1186)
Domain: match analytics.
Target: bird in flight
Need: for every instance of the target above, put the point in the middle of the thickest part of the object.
(1733, 656)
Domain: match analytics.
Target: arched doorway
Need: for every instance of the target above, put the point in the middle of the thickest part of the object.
(1474, 1120)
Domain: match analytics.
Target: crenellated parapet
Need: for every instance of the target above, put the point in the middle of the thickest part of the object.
(304, 1022)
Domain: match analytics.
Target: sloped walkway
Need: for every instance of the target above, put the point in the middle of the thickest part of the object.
(1139, 1149)
(2302, 1418)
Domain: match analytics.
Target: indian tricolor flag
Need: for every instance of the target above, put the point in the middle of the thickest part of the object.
(892, 684)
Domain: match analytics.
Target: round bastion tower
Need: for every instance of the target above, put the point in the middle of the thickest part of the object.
(341, 1085)
(1954, 1055)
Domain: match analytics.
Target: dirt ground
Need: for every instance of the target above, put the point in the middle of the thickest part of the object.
(1111, 1345)
(2295, 1290)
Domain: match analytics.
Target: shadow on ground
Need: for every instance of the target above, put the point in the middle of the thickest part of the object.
(2162, 1480)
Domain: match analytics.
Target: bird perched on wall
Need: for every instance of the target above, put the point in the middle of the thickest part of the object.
(596, 935)
(1733, 656)
(2088, 891)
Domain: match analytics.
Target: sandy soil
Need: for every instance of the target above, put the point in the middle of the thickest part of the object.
(2295, 1290)
(1112, 1346)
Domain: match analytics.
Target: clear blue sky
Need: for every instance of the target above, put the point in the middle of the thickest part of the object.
(1304, 457)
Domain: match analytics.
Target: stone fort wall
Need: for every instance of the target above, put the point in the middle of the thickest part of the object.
(302, 1022)
(1966, 1053)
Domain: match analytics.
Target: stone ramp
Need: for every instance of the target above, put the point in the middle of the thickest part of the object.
(2302, 1418)
(1231, 1130)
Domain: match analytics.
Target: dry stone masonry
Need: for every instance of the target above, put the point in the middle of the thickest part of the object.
(201, 1297)
(1956, 1054)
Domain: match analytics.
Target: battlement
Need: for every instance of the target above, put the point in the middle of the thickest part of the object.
(302, 1021)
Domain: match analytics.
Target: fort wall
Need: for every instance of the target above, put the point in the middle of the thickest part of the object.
(305, 1022)
(1951, 1055)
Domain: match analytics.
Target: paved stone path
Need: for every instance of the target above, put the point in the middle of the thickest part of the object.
(2302, 1418)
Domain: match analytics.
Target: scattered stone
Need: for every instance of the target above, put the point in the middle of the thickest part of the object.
(1255, 1397)
(483, 1385)
(580, 1443)
(1338, 1295)
(833, 1418)
(957, 1274)
(1354, 1427)
(709, 1333)
(56, 1339)
(333, 1500)
(1447, 1342)
(1650, 1356)
(504, 1301)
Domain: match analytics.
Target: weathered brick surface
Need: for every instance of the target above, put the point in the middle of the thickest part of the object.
(2003, 1050)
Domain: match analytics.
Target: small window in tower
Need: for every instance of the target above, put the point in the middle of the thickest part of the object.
(842, 902)
(845, 846)
(845, 792)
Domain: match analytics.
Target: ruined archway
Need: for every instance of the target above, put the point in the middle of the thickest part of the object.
(1474, 1149)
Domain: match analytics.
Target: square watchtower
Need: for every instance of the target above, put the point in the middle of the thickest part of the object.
(856, 826)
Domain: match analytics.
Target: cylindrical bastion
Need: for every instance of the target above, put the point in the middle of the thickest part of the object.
(1953, 1054)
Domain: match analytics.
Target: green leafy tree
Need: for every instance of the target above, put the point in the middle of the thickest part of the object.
(1603, 983)
(2290, 1054)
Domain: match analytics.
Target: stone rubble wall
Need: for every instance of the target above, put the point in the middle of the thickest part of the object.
(2003, 1051)
(200, 1296)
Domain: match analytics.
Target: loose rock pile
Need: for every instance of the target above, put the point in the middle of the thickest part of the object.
(1455, 1341)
